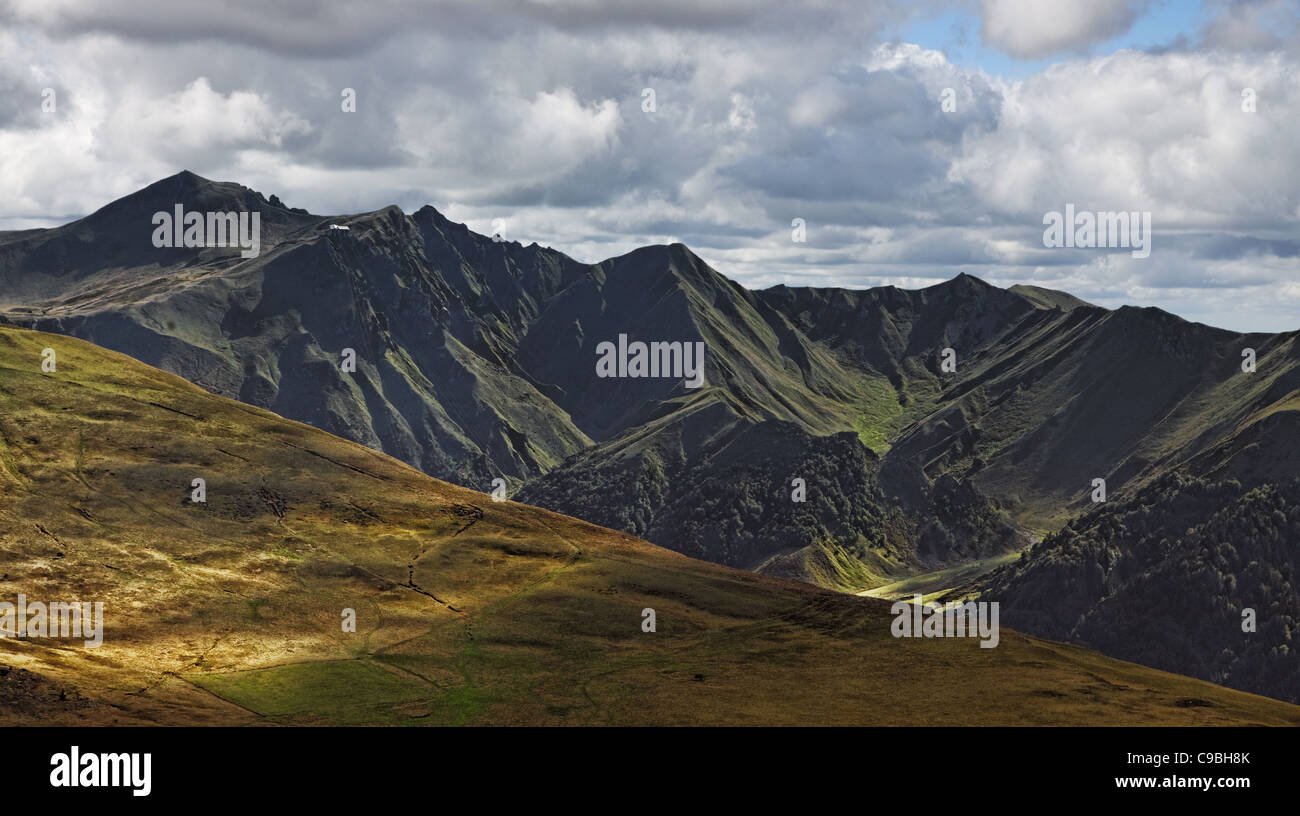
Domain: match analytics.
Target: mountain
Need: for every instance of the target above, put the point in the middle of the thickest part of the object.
(433, 383)
(476, 360)
(1124, 395)
(230, 610)
(854, 439)
(922, 428)
(1051, 392)
(719, 484)
(1191, 575)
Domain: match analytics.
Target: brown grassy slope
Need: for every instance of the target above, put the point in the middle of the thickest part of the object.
(469, 611)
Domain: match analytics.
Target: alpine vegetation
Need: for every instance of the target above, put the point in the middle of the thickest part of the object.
(655, 359)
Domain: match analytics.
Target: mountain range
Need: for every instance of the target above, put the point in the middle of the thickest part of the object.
(844, 437)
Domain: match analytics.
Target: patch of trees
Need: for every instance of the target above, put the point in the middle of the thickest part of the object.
(1165, 579)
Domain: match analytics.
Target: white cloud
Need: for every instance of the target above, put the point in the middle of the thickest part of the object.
(1135, 131)
(198, 118)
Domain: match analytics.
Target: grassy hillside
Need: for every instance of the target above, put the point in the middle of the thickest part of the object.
(469, 611)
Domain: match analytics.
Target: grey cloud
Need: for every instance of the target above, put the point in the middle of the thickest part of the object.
(1032, 29)
(308, 28)
(1253, 25)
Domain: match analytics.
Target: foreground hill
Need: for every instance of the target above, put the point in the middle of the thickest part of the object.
(469, 611)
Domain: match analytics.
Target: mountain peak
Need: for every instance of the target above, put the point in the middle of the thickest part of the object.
(187, 183)
(962, 283)
(193, 193)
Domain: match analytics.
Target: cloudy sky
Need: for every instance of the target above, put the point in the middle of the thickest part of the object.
(535, 112)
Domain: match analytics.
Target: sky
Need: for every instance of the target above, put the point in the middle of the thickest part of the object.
(532, 118)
